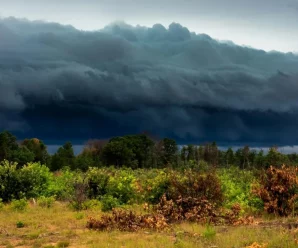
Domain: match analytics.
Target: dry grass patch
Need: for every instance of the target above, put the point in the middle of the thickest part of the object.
(59, 226)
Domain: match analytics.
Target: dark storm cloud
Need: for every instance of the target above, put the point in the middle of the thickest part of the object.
(59, 83)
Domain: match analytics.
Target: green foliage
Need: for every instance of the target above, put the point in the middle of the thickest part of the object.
(61, 185)
(92, 204)
(97, 181)
(19, 205)
(63, 244)
(209, 232)
(64, 157)
(79, 216)
(155, 186)
(117, 153)
(237, 188)
(46, 202)
(35, 179)
(109, 202)
(9, 183)
(84, 161)
(8, 144)
(20, 224)
(121, 186)
(31, 180)
(38, 149)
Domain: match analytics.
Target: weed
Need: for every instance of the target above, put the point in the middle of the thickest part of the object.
(20, 224)
(209, 232)
(63, 244)
(19, 205)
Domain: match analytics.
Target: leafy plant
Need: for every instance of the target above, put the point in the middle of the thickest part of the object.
(237, 187)
(46, 202)
(20, 224)
(209, 232)
(63, 244)
(121, 186)
(109, 202)
(19, 205)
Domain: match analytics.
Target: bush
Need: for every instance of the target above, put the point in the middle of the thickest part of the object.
(10, 186)
(61, 185)
(156, 186)
(63, 244)
(108, 203)
(45, 202)
(19, 205)
(29, 181)
(123, 220)
(121, 186)
(20, 224)
(35, 179)
(279, 190)
(92, 204)
(237, 186)
(97, 182)
(79, 196)
(195, 185)
(209, 232)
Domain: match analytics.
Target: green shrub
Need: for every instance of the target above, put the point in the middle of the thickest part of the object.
(121, 186)
(79, 216)
(92, 204)
(108, 203)
(1, 204)
(20, 224)
(237, 186)
(32, 180)
(35, 179)
(155, 186)
(19, 205)
(209, 232)
(97, 181)
(63, 244)
(61, 185)
(10, 187)
(46, 202)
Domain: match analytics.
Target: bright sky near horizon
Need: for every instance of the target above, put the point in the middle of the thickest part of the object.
(262, 24)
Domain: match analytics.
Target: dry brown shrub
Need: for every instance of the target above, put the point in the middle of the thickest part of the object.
(279, 189)
(123, 220)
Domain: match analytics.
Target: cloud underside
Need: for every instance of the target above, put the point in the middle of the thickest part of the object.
(59, 83)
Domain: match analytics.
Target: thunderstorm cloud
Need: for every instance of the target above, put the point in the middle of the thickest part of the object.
(59, 83)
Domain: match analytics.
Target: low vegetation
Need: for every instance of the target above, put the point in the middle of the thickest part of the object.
(134, 187)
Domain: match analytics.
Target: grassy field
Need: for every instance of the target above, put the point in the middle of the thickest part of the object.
(59, 226)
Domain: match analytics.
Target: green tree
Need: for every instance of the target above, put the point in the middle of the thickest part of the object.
(64, 157)
(38, 148)
(229, 157)
(8, 145)
(169, 151)
(117, 153)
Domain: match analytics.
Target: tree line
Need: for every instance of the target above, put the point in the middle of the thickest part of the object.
(137, 151)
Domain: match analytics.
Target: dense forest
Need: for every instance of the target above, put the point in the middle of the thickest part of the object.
(138, 151)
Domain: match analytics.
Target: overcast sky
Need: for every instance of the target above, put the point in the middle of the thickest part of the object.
(264, 24)
(62, 84)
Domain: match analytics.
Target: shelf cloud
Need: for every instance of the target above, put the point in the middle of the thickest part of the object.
(59, 83)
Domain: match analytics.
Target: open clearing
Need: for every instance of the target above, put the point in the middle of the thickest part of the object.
(60, 226)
